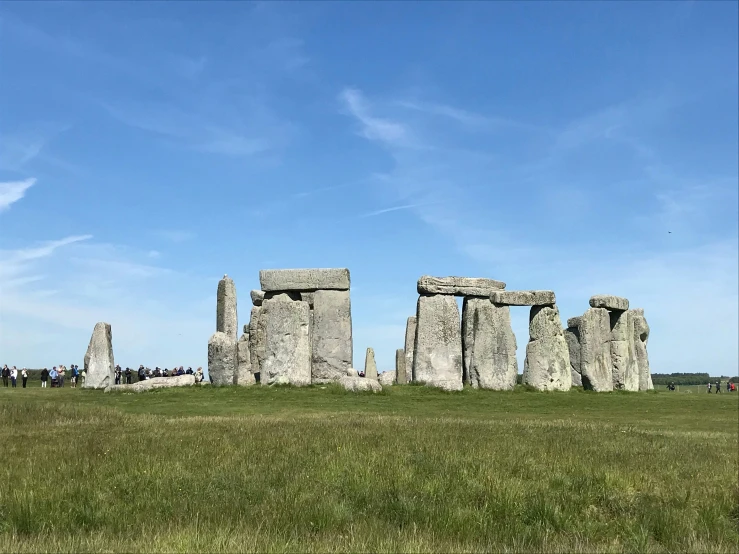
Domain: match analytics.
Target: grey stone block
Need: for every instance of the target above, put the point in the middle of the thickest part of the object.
(523, 297)
(458, 286)
(609, 302)
(304, 279)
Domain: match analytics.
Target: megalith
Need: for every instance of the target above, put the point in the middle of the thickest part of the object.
(458, 286)
(493, 363)
(304, 280)
(387, 378)
(331, 334)
(243, 375)
(595, 350)
(572, 338)
(437, 354)
(370, 367)
(257, 297)
(641, 336)
(547, 363)
(470, 305)
(284, 324)
(625, 373)
(226, 317)
(410, 341)
(222, 358)
(256, 340)
(609, 302)
(400, 377)
(98, 364)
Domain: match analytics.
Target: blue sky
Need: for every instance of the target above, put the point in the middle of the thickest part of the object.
(148, 148)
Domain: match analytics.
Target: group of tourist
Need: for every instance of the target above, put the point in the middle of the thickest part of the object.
(730, 387)
(144, 373)
(11, 375)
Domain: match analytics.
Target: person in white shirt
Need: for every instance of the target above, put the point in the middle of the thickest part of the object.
(24, 377)
(13, 376)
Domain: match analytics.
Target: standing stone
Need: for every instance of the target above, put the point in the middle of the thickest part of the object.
(625, 372)
(437, 355)
(400, 377)
(470, 304)
(410, 341)
(493, 363)
(99, 365)
(256, 340)
(572, 338)
(331, 333)
(641, 336)
(370, 367)
(226, 318)
(595, 350)
(243, 375)
(284, 323)
(547, 363)
(222, 359)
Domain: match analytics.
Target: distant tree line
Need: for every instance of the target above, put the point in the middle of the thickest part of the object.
(688, 378)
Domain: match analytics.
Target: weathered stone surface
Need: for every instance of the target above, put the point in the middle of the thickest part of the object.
(458, 286)
(437, 356)
(155, 383)
(574, 322)
(410, 341)
(99, 365)
(470, 306)
(284, 296)
(609, 302)
(400, 378)
(572, 338)
(256, 340)
(243, 376)
(493, 363)
(370, 367)
(625, 371)
(308, 297)
(257, 297)
(547, 363)
(331, 330)
(641, 336)
(387, 378)
(595, 350)
(358, 384)
(286, 343)
(222, 358)
(523, 297)
(226, 316)
(304, 280)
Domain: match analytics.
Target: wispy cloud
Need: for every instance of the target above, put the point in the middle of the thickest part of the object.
(12, 191)
(373, 128)
(393, 209)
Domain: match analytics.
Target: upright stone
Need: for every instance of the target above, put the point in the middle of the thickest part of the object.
(410, 341)
(400, 377)
(257, 297)
(437, 355)
(304, 280)
(595, 350)
(470, 305)
(99, 365)
(243, 375)
(284, 323)
(641, 336)
(222, 359)
(226, 318)
(625, 372)
(572, 338)
(331, 333)
(370, 367)
(493, 363)
(256, 340)
(547, 363)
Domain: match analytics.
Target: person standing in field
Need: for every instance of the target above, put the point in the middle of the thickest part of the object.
(24, 377)
(6, 375)
(13, 376)
(44, 377)
(75, 375)
(128, 375)
(62, 371)
(709, 388)
(718, 387)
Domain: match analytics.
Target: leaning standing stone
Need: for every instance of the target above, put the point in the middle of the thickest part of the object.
(547, 363)
(595, 350)
(243, 376)
(287, 342)
(226, 318)
(572, 338)
(625, 373)
(493, 358)
(400, 378)
(437, 358)
(331, 333)
(410, 341)
(99, 365)
(222, 359)
(370, 367)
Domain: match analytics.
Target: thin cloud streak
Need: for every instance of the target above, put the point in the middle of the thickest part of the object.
(12, 191)
(395, 209)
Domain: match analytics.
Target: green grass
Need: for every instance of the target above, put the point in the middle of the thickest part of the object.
(411, 469)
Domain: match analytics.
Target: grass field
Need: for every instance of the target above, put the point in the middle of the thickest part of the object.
(411, 469)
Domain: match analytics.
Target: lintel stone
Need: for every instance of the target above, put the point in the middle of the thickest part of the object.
(523, 297)
(609, 302)
(458, 286)
(304, 280)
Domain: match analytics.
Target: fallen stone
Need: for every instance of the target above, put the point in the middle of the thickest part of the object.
(98, 364)
(400, 378)
(304, 280)
(493, 363)
(641, 336)
(609, 302)
(256, 340)
(437, 359)
(572, 338)
(358, 384)
(257, 297)
(370, 367)
(410, 342)
(595, 350)
(156, 383)
(523, 297)
(226, 317)
(387, 378)
(458, 286)
(625, 371)
(222, 359)
(547, 363)
(243, 376)
(287, 358)
(331, 334)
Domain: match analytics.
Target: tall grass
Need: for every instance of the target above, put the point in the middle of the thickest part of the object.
(318, 469)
